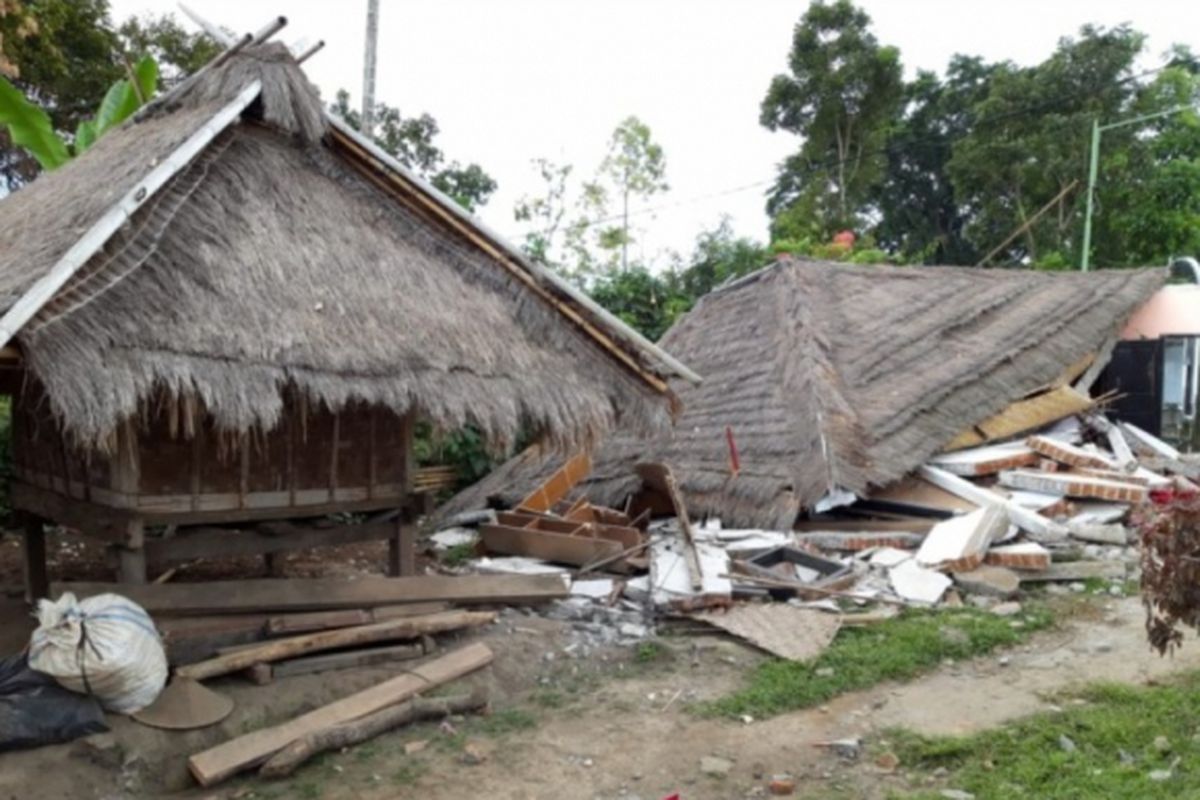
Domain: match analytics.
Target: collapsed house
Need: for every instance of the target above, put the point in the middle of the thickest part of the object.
(230, 311)
(824, 382)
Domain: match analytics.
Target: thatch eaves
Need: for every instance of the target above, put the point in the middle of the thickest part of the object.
(285, 254)
(837, 376)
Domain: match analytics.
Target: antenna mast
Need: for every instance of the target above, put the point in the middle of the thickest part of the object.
(368, 100)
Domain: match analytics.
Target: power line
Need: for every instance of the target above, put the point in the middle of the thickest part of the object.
(891, 148)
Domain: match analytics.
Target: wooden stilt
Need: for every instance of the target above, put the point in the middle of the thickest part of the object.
(37, 582)
(402, 557)
(131, 565)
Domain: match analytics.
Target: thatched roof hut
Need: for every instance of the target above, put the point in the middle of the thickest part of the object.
(234, 240)
(831, 376)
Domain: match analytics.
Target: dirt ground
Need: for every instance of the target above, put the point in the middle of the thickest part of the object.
(612, 725)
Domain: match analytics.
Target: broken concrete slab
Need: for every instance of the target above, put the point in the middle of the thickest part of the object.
(859, 540)
(960, 543)
(986, 460)
(1074, 485)
(917, 584)
(1076, 571)
(1022, 555)
(1094, 513)
(1070, 454)
(888, 557)
(989, 580)
(1116, 534)
(1034, 524)
(1147, 443)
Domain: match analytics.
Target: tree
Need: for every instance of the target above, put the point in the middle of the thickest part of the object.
(177, 51)
(545, 212)
(1029, 140)
(842, 92)
(636, 167)
(410, 141)
(720, 256)
(920, 218)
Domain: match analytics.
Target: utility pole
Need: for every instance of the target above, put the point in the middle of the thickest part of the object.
(368, 100)
(1094, 168)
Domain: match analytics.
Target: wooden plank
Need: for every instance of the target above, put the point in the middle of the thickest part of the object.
(366, 657)
(242, 752)
(208, 542)
(323, 594)
(659, 477)
(550, 546)
(1023, 416)
(821, 524)
(558, 485)
(389, 630)
(324, 620)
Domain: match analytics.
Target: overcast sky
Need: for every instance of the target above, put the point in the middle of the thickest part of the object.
(513, 80)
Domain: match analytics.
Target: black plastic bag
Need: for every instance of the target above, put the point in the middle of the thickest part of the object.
(35, 710)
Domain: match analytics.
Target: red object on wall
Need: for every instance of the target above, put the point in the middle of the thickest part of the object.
(734, 463)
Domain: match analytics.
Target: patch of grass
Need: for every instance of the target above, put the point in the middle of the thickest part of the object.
(1114, 736)
(408, 772)
(549, 698)
(457, 555)
(649, 651)
(897, 649)
(499, 723)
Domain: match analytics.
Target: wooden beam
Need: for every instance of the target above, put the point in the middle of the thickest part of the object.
(660, 478)
(1037, 526)
(320, 594)
(33, 552)
(243, 752)
(279, 649)
(204, 542)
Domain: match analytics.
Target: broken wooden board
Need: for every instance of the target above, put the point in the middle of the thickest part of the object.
(1075, 571)
(280, 649)
(986, 460)
(1037, 526)
(659, 477)
(797, 634)
(320, 594)
(911, 489)
(558, 485)
(960, 543)
(242, 752)
(562, 548)
(1069, 454)
(1023, 416)
(1074, 485)
(1023, 555)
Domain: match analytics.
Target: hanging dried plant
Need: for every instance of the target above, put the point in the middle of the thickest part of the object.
(1170, 534)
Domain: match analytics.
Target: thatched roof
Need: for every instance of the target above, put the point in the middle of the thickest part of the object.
(286, 253)
(837, 376)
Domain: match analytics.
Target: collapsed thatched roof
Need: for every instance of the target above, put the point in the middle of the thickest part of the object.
(283, 254)
(837, 376)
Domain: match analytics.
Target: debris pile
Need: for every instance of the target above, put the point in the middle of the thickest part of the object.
(1005, 505)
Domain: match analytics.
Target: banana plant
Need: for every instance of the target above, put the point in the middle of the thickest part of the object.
(30, 127)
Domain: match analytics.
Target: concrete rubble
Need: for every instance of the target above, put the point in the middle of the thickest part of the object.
(977, 525)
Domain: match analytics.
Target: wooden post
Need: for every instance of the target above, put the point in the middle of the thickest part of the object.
(131, 554)
(37, 583)
(402, 556)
